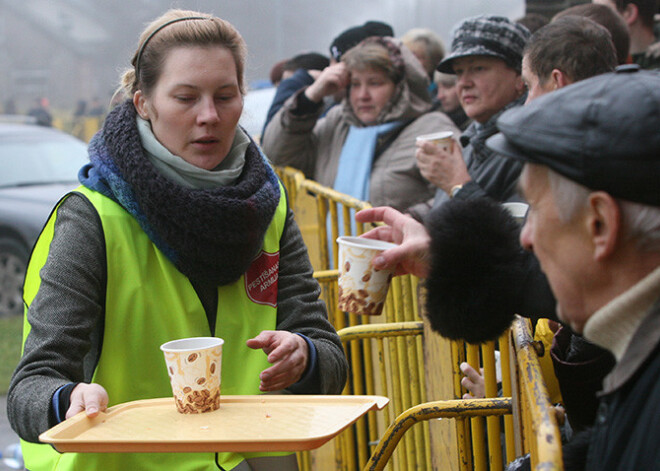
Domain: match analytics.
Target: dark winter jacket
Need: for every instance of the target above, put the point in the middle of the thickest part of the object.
(626, 434)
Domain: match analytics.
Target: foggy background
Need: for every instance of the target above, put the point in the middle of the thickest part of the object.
(68, 50)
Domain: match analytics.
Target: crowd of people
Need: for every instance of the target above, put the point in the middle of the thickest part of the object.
(180, 212)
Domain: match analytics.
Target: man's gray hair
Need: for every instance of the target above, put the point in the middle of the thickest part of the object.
(641, 222)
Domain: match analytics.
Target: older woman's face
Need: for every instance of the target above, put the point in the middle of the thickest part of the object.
(370, 91)
(485, 85)
(196, 104)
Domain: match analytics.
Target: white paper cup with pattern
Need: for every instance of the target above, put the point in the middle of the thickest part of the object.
(442, 139)
(362, 288)
(193, 365)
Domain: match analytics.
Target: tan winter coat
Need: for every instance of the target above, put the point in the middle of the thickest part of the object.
(313, 144)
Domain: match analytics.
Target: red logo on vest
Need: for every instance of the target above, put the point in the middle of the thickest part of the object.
(261, 279)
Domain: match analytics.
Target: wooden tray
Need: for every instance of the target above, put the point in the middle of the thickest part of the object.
(242, 424)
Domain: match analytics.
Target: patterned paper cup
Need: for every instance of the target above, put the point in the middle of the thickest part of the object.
(442, 139)
(362, 288)
(193, 365)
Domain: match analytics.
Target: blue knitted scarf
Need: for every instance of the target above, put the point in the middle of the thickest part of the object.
(208, 234)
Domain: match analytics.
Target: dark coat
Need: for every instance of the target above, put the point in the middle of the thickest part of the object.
(626, 434)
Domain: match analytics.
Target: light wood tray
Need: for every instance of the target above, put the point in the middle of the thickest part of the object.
(242, 424)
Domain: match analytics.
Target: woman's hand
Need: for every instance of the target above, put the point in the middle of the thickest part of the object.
(333, 79)
(91, 398)
(412, 254)
(444, 169)
(287, 352)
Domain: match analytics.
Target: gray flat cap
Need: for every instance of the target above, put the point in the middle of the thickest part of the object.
(603, 132)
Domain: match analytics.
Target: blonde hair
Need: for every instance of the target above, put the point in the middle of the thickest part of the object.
(430, 43)
(176, 28)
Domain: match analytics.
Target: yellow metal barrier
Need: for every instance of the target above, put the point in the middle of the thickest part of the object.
(458, 409)
(322, 215)
(538, 428)
(332, 209)
(379, 364)
(387, 364)
(372, 367)
(534, 425)
(474, 451)
(320, 211)
(83, 127)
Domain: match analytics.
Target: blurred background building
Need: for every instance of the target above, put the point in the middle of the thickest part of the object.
(71, 50)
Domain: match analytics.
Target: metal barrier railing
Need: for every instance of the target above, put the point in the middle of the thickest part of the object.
(535, 409)
(534, 424)
(389, 365)
(473, 452)
(322, 215)
(83, 127)
(459, 409)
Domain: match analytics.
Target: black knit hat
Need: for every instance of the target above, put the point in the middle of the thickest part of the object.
(494, 36)
(352, 36)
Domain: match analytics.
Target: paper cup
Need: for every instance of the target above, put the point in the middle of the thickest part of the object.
(193, 365)
(362, 288)
(517, 210)
(441, 139)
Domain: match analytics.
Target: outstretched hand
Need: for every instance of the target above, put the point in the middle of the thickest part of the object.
(91, 398)
(412, 254)
(287, 352)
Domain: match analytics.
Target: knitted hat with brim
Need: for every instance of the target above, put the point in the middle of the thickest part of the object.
(494, 36)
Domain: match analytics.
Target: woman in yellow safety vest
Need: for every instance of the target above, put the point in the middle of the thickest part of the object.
(180, 228)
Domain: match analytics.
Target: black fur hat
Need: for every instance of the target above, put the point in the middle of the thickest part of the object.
(476, 269)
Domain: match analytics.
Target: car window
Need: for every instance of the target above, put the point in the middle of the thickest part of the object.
(37, 161)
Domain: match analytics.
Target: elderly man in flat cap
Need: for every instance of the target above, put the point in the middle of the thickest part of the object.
(591, 154)
(486, 57)
(591, 174)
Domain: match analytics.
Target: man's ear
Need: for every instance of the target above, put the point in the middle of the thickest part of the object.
(603, 224)
(559, 79)
(520, 84)
(140, 103)
(630, 14)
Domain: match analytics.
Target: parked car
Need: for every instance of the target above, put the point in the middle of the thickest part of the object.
(255, 109)
(38, 165)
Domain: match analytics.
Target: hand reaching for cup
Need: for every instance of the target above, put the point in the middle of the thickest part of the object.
(412, 254)
(91, 398)
(287, 352)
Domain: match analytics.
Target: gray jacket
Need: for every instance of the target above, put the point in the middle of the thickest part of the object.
(492, 175)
